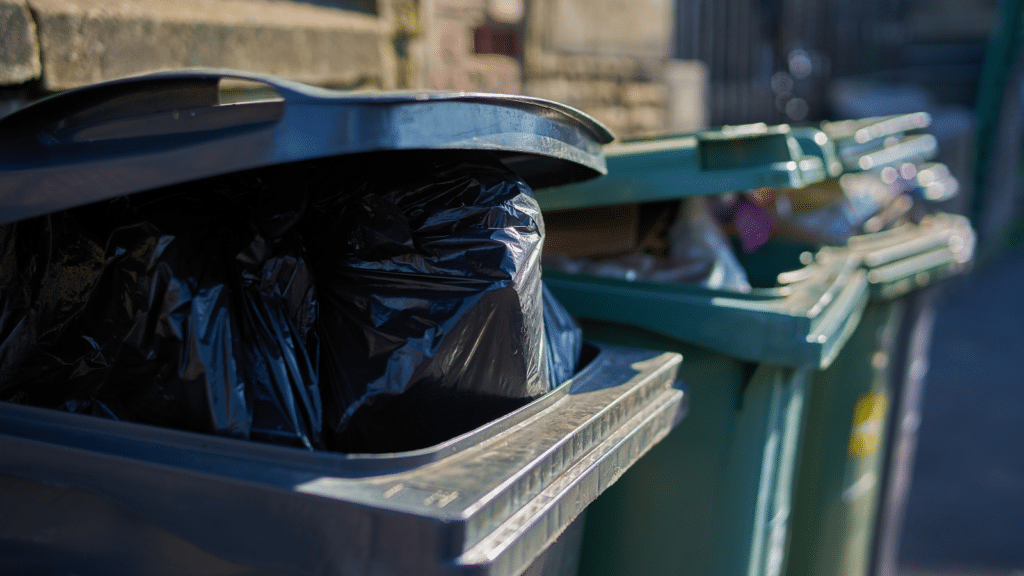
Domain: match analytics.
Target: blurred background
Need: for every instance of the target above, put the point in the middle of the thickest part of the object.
(640, 66)
(657, 66)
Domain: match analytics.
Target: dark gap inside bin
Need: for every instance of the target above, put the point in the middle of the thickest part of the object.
(773, 258)
(150, 246)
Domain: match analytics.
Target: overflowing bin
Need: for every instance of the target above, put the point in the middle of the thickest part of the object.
(465, 475)
(863, 412)
(715, 496)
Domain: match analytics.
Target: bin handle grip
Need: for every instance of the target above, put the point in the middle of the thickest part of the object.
(198, 87)
(146, 94)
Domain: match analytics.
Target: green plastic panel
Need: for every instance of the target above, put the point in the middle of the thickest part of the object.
(841, 473)
(865, 130)
(707, 499)
(801, 323)
(850, 417)
(711, 162)
(912, 149)
(816, 142)
(871, 143)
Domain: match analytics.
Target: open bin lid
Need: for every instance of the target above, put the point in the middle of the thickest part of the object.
(145, 132)
(876, 142)
(729, 159)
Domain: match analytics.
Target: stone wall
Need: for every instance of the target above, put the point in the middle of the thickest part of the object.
(626, 94)
(606, 57)
(473, 45)
(53, 45)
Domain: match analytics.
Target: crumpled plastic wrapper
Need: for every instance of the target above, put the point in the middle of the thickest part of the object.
(698, 253)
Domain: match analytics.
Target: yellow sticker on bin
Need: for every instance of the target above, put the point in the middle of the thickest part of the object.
(868, 423)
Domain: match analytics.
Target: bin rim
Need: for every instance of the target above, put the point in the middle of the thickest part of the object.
(864, 130)
(295, 89)
(674, 166)
(803, 322)
(492, 506)
(341, 464)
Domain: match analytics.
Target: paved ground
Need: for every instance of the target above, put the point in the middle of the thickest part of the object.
(965, 514)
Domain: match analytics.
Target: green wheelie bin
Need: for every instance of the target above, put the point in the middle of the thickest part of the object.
(715, 495)
(858, 406)
(859, 437)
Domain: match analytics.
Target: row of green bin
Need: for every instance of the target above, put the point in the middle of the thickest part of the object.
(780, 409)
(786, 455)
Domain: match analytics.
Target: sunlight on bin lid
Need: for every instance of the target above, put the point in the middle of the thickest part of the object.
(145, 132)
(864, 130)
(877, 142)
(816, 143)
(913, 255)
(913, 149)
(727, 159)
(803, 322)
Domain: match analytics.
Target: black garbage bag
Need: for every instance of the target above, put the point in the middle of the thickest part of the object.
(366, 304)
(564, 339)
(431, 318)
(192, 308)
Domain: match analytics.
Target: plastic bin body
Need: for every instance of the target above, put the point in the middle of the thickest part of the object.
(861, 423)
(97, 496)
(715, 496)
(851, 485)
(80, 494)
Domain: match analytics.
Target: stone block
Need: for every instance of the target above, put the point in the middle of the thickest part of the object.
(451, 78)
(86, 41)
(646, 120)
(19, 49)
(644, 94)
(615, 27)
(686, 83)
(621, 67)
(602, 92)
(451, 42)
(537, 63)
(507, 11)
(472, 12)
(615, 118)
(496, 74)
(557, 89)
